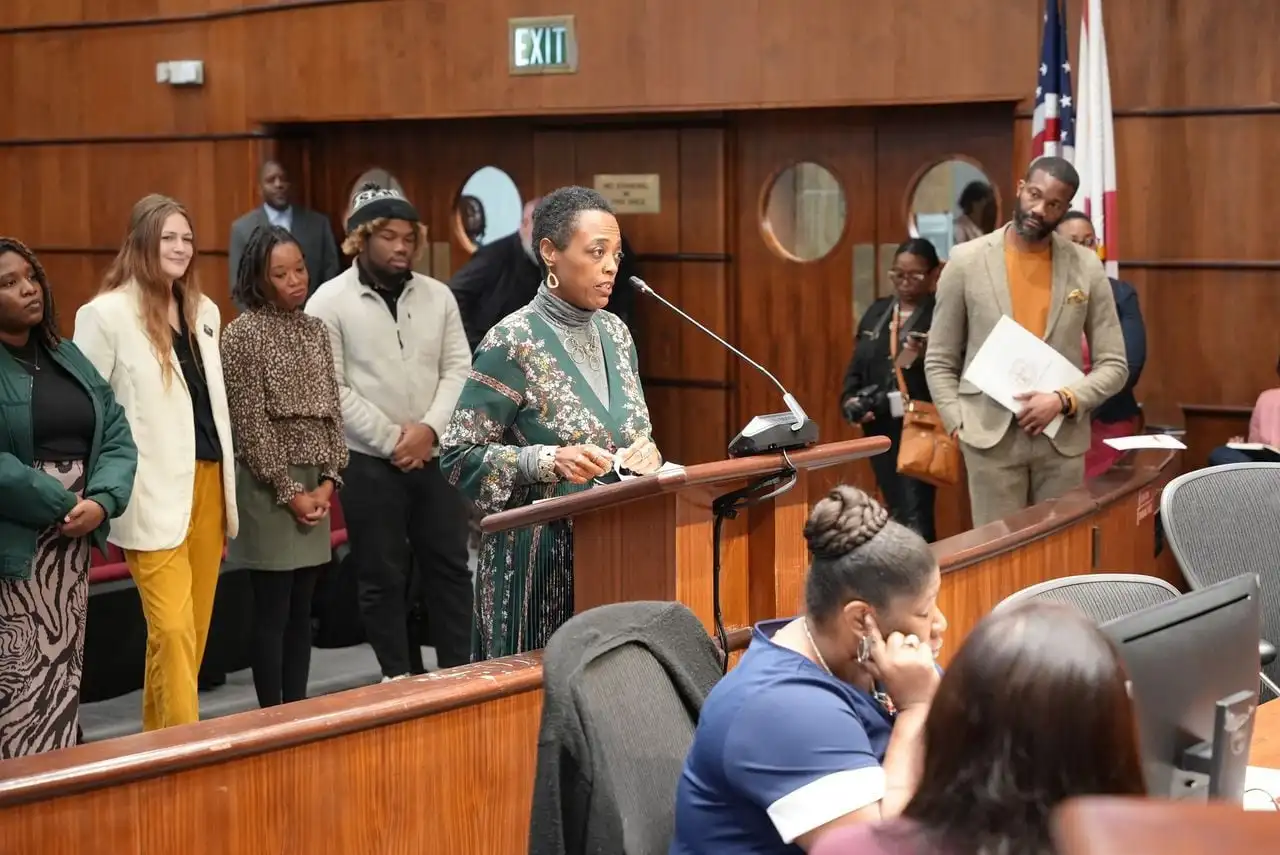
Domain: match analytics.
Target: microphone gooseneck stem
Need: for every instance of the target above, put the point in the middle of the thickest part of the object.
(792, 404)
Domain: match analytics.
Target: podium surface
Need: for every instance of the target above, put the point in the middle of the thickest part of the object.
(652, 537)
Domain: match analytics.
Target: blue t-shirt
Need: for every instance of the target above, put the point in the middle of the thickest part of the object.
(781, 748)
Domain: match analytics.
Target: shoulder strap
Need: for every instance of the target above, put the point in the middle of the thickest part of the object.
(893, 354)
(884, 319)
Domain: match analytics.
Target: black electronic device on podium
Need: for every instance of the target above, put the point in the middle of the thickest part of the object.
(763, 434)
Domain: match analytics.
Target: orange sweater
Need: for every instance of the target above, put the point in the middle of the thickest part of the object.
(1030, 286)
(1030, 293)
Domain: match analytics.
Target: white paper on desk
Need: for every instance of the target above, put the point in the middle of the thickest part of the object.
(1013, 361)
(1145, 440)
(1261, 787)
(662, 470)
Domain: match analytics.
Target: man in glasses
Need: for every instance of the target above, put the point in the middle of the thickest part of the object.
(1059, 293)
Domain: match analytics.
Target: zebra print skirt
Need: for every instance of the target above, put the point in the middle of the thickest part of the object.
(42, 621)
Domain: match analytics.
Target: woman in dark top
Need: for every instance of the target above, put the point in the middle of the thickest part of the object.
(895, 326)
(1034, 710)
(66, 466)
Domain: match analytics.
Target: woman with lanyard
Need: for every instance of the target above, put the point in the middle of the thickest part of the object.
(893, 330)
(820, 724)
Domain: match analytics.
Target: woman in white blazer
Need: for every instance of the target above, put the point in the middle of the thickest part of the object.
(154, 336)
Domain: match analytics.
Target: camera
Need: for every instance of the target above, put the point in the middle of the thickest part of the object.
(868, 399)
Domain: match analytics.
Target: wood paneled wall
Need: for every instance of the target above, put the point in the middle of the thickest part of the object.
(346, 59)
(683, 249)
(1195, 86)
(87, 130)
(70, 202)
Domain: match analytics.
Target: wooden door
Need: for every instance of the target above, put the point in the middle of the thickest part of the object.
(795, 312)
(796, 304)
(915, 145)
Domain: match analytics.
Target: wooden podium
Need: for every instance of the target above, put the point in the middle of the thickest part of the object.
(652, 538)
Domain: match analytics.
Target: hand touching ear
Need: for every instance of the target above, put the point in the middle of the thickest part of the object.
(904, 665)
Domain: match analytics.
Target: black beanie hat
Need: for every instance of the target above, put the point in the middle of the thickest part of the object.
(378, 203)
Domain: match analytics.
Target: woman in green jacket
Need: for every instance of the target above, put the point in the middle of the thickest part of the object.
(66, 467)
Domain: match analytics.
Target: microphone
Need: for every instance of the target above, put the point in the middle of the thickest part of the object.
(772, 432)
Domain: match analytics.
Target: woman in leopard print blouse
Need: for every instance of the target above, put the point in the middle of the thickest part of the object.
(287, 423)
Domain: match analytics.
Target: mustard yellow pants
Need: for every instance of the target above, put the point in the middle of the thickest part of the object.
(177, 587)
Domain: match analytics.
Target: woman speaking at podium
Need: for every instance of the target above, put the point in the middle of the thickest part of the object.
(553, 402)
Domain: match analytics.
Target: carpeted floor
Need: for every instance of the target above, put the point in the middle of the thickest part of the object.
(332, 670)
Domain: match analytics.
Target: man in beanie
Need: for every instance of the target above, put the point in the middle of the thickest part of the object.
(401, 357)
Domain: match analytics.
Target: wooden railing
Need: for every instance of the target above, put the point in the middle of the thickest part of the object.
(444, 763)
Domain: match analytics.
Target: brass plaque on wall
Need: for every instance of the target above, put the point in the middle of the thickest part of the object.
(547, 45)
(631, 194)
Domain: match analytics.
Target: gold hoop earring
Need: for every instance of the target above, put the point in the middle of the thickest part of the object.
(553, 281)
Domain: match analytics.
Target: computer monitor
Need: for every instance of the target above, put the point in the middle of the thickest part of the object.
(1193, 665)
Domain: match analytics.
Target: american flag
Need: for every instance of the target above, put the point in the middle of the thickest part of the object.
(1053, 124)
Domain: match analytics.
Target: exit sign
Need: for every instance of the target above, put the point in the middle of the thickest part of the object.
(542, 45)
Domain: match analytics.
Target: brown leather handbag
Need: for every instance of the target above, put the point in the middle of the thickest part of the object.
(927, 452)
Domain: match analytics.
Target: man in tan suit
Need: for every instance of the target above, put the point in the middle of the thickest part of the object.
(1059, 292)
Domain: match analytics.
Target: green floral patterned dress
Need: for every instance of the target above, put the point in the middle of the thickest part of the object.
(525, 390)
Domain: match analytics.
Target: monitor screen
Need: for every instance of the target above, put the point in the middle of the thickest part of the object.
(1189, 661)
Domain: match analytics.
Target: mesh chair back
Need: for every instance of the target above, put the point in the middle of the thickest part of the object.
(1101, 596)
(1223, 522)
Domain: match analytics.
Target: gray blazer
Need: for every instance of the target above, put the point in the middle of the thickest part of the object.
(312, 231)
(973, 293)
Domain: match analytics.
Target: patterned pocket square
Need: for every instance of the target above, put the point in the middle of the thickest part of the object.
(1077, 296)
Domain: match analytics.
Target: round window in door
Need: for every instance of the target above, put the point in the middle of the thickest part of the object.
(951, 203)
(804, 212)
(488, 208)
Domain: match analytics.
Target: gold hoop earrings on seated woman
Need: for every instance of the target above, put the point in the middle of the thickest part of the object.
(553, 281)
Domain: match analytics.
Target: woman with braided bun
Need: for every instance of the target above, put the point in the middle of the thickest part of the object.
(821, 723)
(67, 462)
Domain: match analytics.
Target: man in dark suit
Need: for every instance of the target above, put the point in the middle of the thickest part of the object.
(309, 228)
(503, 276)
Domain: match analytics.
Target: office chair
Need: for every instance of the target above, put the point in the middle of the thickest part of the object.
(1222, 522)
(639, 724)
(1101, 596)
